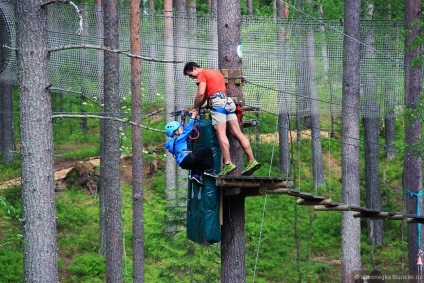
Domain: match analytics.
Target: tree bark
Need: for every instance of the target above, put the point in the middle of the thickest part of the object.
(371, 122)
(233, 251)
(389, 125)
(413, 132)
(38, 198)
(180, 91)
(100, 42)
(170, 164)
(312, 89)
(100, 81)
(110, 169)
(6, 100)
(233, 267)
(6, 130)
(375, 230)
(351, 257)
(283, 99)
(83, 63)
(389, 117)
(249, 6)
(137, 147)
(153, 81)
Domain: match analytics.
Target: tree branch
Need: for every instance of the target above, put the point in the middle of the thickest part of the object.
(61, 116)
(76, 92)
(80, 31)
(98, 47)
(104, 48)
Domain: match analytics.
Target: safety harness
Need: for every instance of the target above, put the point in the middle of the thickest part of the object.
(222, 110)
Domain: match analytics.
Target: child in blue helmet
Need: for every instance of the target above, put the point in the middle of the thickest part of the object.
(199, 161)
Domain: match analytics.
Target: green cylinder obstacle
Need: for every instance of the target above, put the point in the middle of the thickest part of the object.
(203, 225)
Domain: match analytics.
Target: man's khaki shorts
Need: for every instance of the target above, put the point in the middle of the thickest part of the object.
(228, 104)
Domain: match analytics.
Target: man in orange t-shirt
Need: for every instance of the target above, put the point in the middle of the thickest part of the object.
(211, 88)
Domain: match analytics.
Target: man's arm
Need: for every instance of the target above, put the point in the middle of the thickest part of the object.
(200, 96)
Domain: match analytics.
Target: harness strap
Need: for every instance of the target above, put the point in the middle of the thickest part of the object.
(221, 110)
(183, 151)
(218, 94)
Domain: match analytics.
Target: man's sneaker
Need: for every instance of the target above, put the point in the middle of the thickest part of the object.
(196, 178)
(227, 169)
(210, 173)
(250, 168)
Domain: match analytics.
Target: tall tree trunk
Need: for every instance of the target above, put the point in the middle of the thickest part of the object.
(170, 164)
(180, 90)
(351, 256)
(38, 198)
(375, 230)
(312, 89)
(153, 80)
(99, 40)
(300, 82)
(6, 99)
(389, 124)
(137, 147)
(371, 121)
(413, 131)
(2, 114)
(110, 171)
(83, 64)
(283, 99)
(100, 82)
(192, 24)
(6, 130)
(389, 117)
(249, 6)
(233, 267)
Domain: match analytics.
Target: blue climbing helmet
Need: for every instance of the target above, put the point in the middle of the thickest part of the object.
(171, 127)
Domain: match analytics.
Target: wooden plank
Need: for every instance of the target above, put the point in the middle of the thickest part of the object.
(276, 191)
(302, 201)
(417, 217)
(396, 216)
(373, 215)
(252, 182)
(340, 207)
(414, 220)
(297, 193)
(362, 209)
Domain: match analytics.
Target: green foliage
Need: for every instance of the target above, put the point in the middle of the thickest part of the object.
(275, 237)
(87, 268)
(11, 259)
(10, 170)
(11, 256)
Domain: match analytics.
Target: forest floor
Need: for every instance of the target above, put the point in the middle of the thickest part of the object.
(63, 167)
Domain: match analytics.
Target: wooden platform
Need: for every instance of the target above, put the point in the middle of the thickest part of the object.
(252, 185)
(258, 186)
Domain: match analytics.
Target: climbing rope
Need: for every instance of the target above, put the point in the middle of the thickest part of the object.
(265, 202)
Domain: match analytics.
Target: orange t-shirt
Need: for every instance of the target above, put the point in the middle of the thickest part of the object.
(214, 81)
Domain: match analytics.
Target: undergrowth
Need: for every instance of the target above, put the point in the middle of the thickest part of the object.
(285, 242)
